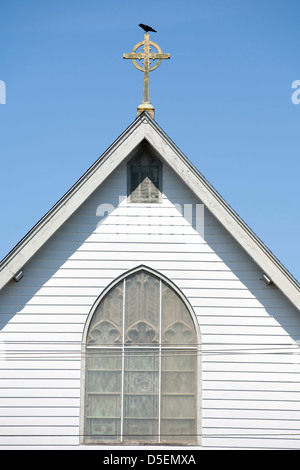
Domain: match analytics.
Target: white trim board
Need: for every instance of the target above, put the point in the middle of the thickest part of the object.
(145, 128)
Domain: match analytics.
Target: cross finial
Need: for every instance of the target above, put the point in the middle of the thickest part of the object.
(146, 68)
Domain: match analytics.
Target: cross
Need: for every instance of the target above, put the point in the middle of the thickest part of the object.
(146, 68)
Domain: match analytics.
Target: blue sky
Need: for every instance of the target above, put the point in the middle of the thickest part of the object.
(224, 98)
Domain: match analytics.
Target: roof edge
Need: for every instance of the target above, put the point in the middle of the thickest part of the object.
(6, 264)
(265, 258)
(13, 262)
(225, 204)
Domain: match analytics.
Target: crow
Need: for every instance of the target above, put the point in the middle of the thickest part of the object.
(147, 28)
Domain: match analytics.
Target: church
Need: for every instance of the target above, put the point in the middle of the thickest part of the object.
(142, 312)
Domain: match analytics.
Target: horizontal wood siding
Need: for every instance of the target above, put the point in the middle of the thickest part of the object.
(250, 382)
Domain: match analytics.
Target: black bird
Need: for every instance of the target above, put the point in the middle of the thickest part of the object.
(147, 28)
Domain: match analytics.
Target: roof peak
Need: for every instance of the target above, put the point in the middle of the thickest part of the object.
(144, 128)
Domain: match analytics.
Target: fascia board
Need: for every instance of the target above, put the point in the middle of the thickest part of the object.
(224, 213)
(71, 201)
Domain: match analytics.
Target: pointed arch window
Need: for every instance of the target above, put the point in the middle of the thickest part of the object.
(141, 365)
(144, 178)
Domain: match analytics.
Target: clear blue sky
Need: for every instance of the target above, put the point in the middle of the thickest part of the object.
(224, 98)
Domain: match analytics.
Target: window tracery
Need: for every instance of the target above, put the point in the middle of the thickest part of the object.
(141, 365)
(144, 178)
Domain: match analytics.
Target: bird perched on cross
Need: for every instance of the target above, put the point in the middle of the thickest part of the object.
(147, 28)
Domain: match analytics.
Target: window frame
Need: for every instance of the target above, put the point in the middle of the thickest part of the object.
(196, 348)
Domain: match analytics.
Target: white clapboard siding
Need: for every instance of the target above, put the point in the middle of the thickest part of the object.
(41, 370)
(41, 393)
(249, 355)
(204, 287)
(248, 386)
(14, 421)
(39, 383)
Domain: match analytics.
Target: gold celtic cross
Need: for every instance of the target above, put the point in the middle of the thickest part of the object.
(148, 57)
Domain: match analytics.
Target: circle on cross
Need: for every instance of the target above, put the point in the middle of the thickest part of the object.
(147, 56)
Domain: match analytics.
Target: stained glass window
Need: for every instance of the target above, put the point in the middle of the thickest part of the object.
(144, 178)
(141, 365)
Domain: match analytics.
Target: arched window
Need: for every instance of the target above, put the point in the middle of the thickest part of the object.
(144, 177)
(141, 365)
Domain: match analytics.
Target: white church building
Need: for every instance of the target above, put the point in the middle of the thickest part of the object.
(142, 312)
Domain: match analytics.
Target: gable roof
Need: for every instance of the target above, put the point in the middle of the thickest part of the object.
(145, 128)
